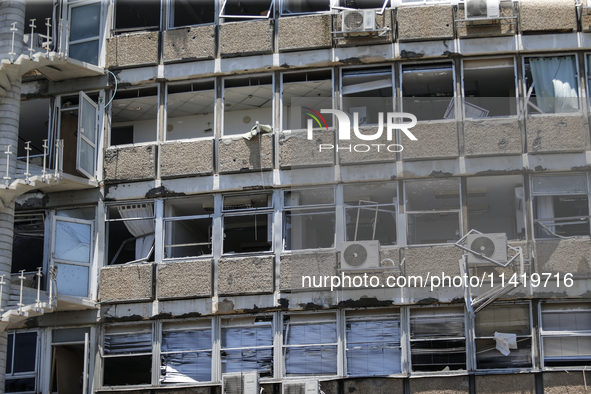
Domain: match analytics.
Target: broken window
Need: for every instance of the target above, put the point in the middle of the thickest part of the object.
(496, 205)
(130, 233)
(186, 352)
(561, 205)
(309, 219)
(489, 88)
(247, 100)
(428, 91)
(310, 344)
(33, 127)
(497, 325)
(85, 32)
(365, 4)
(370, 212)
(191, 12)
(70, 355)
(188, 227)
(134, 115)
(433, 211)
(295, 7)
(305, 94)
(437, 339)
(367, 92)
(28, 245)
(233, 10)
(247, 345)
(21, 362)
(551, 84)
(566, 335)
(133, 15)
(373, 343)
(247, 221)
(190, 110)
(127, 355)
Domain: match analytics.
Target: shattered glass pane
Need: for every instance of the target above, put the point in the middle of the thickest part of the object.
(184, 340)
(128, 343)
(186, 367)
(72, 241)
(243, 360)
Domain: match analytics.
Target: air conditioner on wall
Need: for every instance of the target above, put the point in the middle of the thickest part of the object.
(358, 255)
(482, 9)
(300, 387)
(358, 21)
(240, 383)
(493, 246)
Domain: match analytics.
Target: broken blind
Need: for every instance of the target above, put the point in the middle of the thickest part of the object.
(566, 334)
(247, 345)
(185, 355)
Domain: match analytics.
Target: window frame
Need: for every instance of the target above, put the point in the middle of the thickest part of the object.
(116, 32)
(170, 16)
(29, 374)
(269, 15)
(100, 38)
(284, 14)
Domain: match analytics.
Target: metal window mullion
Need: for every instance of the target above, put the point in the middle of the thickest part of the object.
(247, 347)
(278, 362)
(216, 360)
(341, 333)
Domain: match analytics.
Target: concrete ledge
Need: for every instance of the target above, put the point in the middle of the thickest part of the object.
(120, 283)
(246, 38)
(548, 15)
(564, 256)
(497, 28)
(186, 158)
(295, 150)
(238, 154)
(439, 385)
(421, 260)
(295, 265)
(193, 43)
(564, 382)
(130, 163)
(123, 50)
(433, 22)
(305, 32)
(492, 137)
(434, 140)
(549, 133)
(242, 275)
(506, 384)
(374, 386)
(184, 279)
(373, 155)
(382, 21)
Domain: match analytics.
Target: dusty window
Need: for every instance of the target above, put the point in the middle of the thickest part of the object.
(133, 15)
(247, 345)
(428, 91)
(566, 336)
(370, 212)
(130, 233)
(185, 355)
(127, 355)
(513, 323)
(188, 227)
(233, 10)
(437, 339)
(305, 94)
(433, 211)
(551, 84)
(247, 100)
(310, 344)
(367, 92)
(373, 343)
(489, 88)
(309, 219)
(134, 115)
(561, 205)
(191, 12)
(190, 110)
(68, 347)
(247, 221)
(304, 6)
(21, 362)
(85, 32)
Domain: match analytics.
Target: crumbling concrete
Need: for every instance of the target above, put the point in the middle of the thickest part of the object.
(586, 17)
(548, 15)
(130, 163)
(492, 137)
(197, 42)
(439, 385)
(433, 22)
(492, 28)
(295, 265)
(305, 32)
(434, 140)
(246, 38)
(126, 283)
(243, 275)
(432, 259)
(374, 386)
(184, 279)
(505, 384)
(384, 153)
(555, 133)
(238, 154)
(565, 382)
(564, 256)
(297, 151)
(383, 21)
(122, 50)
(186, 158)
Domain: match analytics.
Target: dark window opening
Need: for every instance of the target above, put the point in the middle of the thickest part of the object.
(305, 6)
(360, 4)
(244, 234)
(122, 135)
(428, 91)
(133, 15)
(243, 10)
(121, 371)
(28, 243)
(191, 12)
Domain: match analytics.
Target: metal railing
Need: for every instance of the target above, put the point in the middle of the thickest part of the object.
(45, 174)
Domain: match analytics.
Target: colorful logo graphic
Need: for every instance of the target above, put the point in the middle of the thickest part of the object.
(315, 116)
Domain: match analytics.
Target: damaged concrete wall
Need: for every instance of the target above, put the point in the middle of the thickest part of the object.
(197, 42)
(492, 137)
(297, 264)
(555, 133)
(434, 140)
(373, 155)
(295, 150)
(196, 158)
(184, 279)
(130, 163)
(586, 17)
(548, 15)
(246, 38)
(434, 259)
(564, 256)
(239, 154)
(506, 384)
(439, 385)
(123, 51)
(242, 275)
(488, 29)
(374, 386)
(565, 382)
(126, 283)
(384, 21)
(305, 32)
(433, 22)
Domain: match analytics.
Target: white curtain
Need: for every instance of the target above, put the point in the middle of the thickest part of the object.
(545, 211)
(555, 84)
(144, 229)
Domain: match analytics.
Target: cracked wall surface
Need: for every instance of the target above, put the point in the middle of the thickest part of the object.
(505, 384)
(548, 15)
(197, 42)
(434, 140)
(440, 385)
(555, 133)
(564, 256)
(297, 264)
(126, 283)
(497, 28)
(184, 279)
(248, 37)
(239, 154)
(186, 158)
(383, 21)
(305, 32)
(492, 137)
(130, 163)
(242, 275)
(425, 23)
(296, 150)
(123, 51)
(374, 155)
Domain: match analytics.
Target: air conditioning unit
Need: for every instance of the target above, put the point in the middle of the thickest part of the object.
(359, 21)
(482, 9)
(300, 387)
(358, 255)
(493, 246)
(240, 383)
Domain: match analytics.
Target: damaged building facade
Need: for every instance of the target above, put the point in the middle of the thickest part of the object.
(147, 245)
